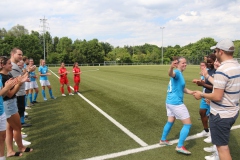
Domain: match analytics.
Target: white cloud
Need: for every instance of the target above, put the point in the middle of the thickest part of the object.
(132, 22)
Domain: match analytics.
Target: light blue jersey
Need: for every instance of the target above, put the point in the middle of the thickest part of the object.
(32, 75)
(43, 70)
(176, 89)
(24, 66)
(1, 98)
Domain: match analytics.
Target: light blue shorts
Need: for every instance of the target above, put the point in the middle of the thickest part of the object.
(204, 105)
(10, 107)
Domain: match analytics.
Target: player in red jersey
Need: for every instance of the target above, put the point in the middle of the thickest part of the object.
(77, 79)
(63, 79)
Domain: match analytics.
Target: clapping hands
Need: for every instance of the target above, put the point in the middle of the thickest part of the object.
(10, 83)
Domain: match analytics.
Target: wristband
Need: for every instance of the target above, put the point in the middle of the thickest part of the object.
(202, 95)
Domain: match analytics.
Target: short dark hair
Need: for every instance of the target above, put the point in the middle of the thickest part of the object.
(212, 56)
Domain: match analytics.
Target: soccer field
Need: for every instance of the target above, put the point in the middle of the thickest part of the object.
(119, 114)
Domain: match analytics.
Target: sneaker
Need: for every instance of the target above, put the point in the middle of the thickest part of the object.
(166, 142)
(210, 149)
(28, 107)
(75, 92)
(208, 139)
(25, 113)
(63, 95)
(53, 97)
(31, 104)
(203, 133)
(70, 94)
(182, 150)
(35, 102)
(214, 156)
(45, 99)
(24, 142)
(24, 136)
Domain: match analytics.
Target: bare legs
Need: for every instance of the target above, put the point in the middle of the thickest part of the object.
(14, 131)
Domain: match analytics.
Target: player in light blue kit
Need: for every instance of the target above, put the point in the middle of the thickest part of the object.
(175, 106)
(33, 84)
(43, 73)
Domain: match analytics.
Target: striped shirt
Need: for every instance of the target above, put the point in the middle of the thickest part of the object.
(227, 77)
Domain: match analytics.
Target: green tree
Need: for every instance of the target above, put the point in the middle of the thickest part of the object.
(77, 56)
(53, 58)
(107, 47)
(6, 45)
(64, 45)
(55, 42)
(122, 55)
(29, 44)
(95, 52)
(3, 33)
(17, 31)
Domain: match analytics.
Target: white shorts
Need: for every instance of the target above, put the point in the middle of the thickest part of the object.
(177, 111)
(44, 83)
(33, 84)
(27, 86)
(3, 122)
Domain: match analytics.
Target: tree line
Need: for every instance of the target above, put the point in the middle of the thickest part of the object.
(64, 49)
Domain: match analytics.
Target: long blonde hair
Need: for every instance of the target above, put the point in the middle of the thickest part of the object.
(41, 62)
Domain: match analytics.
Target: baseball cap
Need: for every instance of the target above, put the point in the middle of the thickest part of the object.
(226, 45)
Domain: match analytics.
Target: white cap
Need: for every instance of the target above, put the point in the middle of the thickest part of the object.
(226, 45)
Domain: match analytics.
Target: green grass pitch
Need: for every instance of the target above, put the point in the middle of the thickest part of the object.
(68, 128)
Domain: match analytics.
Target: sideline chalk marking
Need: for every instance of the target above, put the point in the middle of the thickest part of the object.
(142, 149)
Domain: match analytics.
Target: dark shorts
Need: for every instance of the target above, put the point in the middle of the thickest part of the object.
(21, 105)
(220, 129)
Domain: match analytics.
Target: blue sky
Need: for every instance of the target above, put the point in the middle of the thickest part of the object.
(128, 22)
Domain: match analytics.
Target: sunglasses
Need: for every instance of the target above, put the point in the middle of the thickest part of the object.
(3, 59)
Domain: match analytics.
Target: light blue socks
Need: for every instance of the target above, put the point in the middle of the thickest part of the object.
(183, 134)
(166, 130)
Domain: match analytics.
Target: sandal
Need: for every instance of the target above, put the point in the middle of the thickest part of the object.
(17, 154)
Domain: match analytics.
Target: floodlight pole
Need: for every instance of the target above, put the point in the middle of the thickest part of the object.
(43, 21)
(162, 42)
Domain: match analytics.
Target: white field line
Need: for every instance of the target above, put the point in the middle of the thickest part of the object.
(146, 148)
(90, 70)
(124, 129)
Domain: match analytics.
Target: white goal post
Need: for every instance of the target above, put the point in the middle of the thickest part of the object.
(110, 63)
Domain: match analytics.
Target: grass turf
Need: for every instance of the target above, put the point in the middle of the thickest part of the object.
(69, 128)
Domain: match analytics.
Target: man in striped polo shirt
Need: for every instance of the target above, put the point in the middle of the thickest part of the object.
(224, 98)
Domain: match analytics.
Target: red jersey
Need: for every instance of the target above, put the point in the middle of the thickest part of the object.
(61, 71)
(76, 70)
